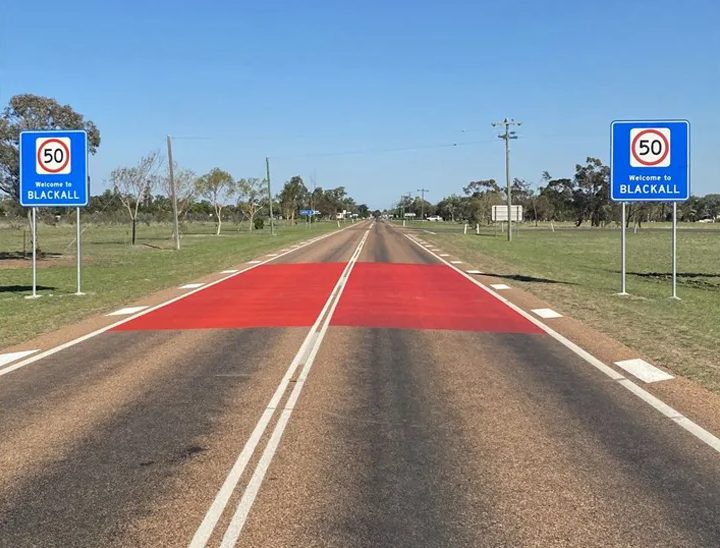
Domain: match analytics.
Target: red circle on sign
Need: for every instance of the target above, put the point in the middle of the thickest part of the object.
(67, 155)
(659, 160)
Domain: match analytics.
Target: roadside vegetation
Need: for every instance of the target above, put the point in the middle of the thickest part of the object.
(114, 272)
(577, 270)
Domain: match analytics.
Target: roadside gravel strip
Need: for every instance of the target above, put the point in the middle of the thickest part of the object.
(671, 413)
(73, 342)
(305, 356)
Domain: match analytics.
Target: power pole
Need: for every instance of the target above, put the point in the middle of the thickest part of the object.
(422, 192)
(507, 122)
(173, 193)
(272, 220)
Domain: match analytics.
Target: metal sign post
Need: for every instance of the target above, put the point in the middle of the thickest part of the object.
(34, 256)
(650, 162)
(54, 173)
(623, 252)
(77, 238)
(674, 252)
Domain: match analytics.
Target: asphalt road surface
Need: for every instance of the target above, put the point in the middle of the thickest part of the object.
(356, 391)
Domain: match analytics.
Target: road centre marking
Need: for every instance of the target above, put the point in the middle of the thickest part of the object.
(12, 356)
(546, 313)
(127, 310)
(693, 428)
(643, 370)
(97, 332)
(191, 286)
(305, 355)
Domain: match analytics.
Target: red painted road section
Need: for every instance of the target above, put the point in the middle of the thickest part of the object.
(416, 296)
(278, 295)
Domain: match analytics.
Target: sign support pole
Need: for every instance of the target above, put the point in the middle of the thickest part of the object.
(674, 253)
(623, 248)
(34, 256)
(77, 237)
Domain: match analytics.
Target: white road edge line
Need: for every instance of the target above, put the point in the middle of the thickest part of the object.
(97, 332)
(695, 429)
(307, 350)
(126, 311)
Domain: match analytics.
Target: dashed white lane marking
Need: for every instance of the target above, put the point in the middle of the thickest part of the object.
(474, 271)
(127, 310)
(271, 255)
(444, 254)
(305, 356)
(429, 231)
(456, 262)
(191, 286)
(254, 262)
(693, 428)
(228, 271)
(643, 370)
(500, 286)
(546, 313)
(12, 356)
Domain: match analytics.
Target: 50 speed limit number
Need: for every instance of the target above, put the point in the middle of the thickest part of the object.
(650, 147)
(52, 155)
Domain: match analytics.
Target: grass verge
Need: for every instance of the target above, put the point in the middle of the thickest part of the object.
(578, 271)
(113, 272)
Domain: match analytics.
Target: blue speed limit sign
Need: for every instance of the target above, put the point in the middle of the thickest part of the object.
(650, 161)
(53, 169)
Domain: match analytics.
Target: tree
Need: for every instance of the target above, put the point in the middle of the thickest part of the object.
(133, 183)
(293, 195)
(251, 197)
(184, 189)
(217, 186)
(592, 192)
(28, 112)
(482, 195)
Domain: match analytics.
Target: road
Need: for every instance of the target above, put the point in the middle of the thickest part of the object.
(357, 391)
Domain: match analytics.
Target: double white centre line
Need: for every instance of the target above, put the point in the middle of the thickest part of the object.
(305, 357)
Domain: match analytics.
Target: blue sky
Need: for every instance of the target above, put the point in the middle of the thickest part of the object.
(370, 95)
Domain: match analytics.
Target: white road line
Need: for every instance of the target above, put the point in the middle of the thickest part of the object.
(500, 287)
(256, 261)
(229, 271)
(304, 354)
(456, 262)
(127, 310)
(12, 356)
(444, 254)
(191, 286)
(546, 313)
(102, 330)
(695, 429)
(643, 370)
(272, 255)
(429, 231)
(473, 271)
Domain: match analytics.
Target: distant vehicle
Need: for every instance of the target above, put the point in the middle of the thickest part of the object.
(706, 221)
(434, 218)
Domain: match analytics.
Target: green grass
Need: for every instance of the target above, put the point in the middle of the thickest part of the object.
(578, 271)
(114, 272)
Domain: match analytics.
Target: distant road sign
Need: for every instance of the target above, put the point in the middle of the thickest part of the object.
(499, 213)
(650, 161)
(306, 212)
(53, 169)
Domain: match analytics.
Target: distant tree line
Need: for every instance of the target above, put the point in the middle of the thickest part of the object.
(140, 193)
(585, 198)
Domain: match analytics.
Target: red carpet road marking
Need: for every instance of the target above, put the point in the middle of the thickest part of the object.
(416, 296)
(272, 295)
